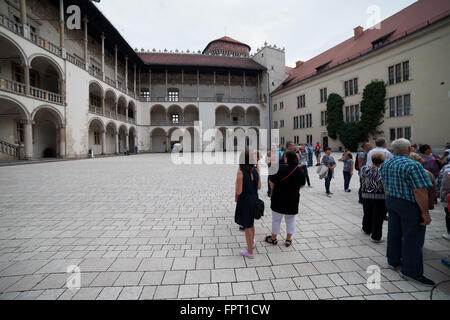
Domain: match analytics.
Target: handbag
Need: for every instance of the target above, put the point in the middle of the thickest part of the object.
(322, 171)
(258, 209)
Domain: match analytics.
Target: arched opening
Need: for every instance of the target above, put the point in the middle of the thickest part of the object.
(191, 115)
(12, 129)
(46, 133)
(95, 98)
(237, 116)
(192, 141)
(253, 118)
(223, 116)
(221, 140)
(175, 135)
(110, 103)
(158, 116)
(45, 78)
(122, 108)
(12, 63)
(239, 139)
(96, 129)
(132, 140)
(123, 139)
(110, 143)
(131, 111)
(175, 115)
(158, 139)
(252, 139)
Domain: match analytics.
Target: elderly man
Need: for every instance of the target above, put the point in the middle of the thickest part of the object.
(406, 183)
(380, 147)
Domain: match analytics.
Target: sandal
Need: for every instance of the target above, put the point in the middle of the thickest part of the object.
(272, 241)
(288, 243)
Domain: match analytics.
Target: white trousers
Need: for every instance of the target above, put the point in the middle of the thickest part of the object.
(276, 222)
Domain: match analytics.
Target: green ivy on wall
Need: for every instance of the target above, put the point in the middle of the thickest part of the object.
(372, 112)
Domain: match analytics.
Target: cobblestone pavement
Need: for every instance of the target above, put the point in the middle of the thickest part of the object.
(142, 228)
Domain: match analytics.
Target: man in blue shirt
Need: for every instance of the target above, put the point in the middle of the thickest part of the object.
(406, 183)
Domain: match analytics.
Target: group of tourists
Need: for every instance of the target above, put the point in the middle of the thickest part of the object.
(400, 187)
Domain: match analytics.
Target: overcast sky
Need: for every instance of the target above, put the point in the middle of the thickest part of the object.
(304, 28)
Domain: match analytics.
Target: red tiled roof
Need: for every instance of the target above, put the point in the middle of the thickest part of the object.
(289, 70)
(413, 18)
(228, 39)
(199, 60)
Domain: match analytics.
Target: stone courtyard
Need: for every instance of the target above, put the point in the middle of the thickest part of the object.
(140, 227)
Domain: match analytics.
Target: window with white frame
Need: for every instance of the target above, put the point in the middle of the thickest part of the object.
(400, 106)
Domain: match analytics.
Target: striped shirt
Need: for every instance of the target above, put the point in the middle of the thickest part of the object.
(401, 175)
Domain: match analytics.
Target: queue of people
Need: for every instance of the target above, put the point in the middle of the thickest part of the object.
(400, 187)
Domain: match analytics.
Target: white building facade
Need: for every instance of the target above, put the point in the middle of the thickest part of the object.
(67, 92)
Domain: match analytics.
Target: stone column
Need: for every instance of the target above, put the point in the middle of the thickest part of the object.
(167, 93)
(243, 89)
(257, 90)
(167, 143)
(28, 139)
(26, 74)
(103, 142)
(215, 93)
(61, 27)
(150, 83)
(104, 105)
(229, 85)
(116, 106)
(63, 91)
(23, 19)
(139, 83)
(182, 84)
(126, 113)
(62, 142)
(136, 141)
(134, 81)
(103, 56)
(86, 42)
(117, 143)
(115, 65)
(127, 142)
(126, 74)
(198, 85)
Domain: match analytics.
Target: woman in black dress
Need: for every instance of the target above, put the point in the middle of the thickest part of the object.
(286, 185)
(248, 182)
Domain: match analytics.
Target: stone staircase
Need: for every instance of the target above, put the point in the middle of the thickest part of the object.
(8, 151)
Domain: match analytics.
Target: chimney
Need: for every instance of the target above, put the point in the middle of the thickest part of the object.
(298, 64)
(358, 31)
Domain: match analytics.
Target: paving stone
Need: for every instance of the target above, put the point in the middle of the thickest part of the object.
(196, 277)
(124, 264)
(223, 275)
(128, 279)
(130, 293)
(283, 285)
(152, 278)
(188, 291)
(174, 277)
(153, 242)
(166, 292)
(208, 290)
(246, 274)
(242, 288)
(109, 293)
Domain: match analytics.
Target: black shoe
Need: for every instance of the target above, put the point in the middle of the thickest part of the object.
(422, 280)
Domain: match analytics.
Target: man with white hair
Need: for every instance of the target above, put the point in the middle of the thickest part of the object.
(406, 183)
(380, 147)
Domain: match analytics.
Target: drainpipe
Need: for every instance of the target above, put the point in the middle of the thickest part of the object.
(269, 145)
